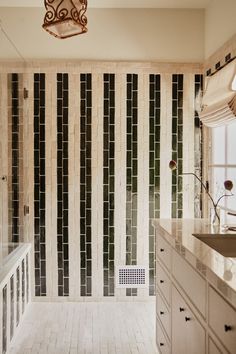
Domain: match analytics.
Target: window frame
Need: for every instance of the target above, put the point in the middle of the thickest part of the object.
(211, 166)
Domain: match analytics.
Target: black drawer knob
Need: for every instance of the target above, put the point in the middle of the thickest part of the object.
(187, 319)
(161, 281)
(162, 250)
(228, 328)
(161, 312)
(161, 344)
(181, 309)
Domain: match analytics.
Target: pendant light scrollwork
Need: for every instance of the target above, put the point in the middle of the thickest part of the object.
(65, 18)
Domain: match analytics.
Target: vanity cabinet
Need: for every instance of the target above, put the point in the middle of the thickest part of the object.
(162, 342)
(222, 320)
(188, 336)
(163, 283)
(190, 281)
(192, 316)
(163, 299)
(164, 315)
(164, 253)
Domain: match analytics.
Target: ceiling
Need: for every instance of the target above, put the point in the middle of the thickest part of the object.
(188, 4)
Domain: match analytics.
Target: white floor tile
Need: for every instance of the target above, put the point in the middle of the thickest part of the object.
(87, 328)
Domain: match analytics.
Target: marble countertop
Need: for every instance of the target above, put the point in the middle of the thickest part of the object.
(219, 270)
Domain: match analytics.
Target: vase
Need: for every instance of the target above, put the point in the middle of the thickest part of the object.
(215, 216)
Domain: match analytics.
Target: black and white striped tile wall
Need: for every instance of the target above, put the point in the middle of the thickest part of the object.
(109, 185)
(62, 184)
(102, 141)
(154, 169)
(177, 145)
(131, 173)
(86, 184)
(39, 185)
(15, 158)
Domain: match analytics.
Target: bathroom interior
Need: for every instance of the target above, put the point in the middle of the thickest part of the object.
(118, 178)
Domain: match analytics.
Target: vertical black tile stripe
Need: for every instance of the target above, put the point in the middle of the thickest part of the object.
(62, 184)
(131, 173)
(12, 309)
(154, 170)
(23, 285)
(86, 184)
(198, 147)
(109, 184)
(177, 144)
(15, 138)
(39, 185)
(4, 319)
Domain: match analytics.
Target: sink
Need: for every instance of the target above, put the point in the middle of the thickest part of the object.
(223, 244)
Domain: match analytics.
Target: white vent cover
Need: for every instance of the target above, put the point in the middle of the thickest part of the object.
(131, 277)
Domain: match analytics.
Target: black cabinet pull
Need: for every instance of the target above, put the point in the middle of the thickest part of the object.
(161, 344)
(228, 328)
(161, 313)
(187, 319)
(181, 309)
(161, 281)
(162, 250)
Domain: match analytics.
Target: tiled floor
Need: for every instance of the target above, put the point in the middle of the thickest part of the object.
(87, 328)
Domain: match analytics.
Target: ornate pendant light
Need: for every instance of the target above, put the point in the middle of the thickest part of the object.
(65, 18)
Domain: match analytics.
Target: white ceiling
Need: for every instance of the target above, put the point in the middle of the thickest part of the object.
(118, 3)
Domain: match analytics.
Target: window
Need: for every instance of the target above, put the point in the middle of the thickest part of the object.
(223, 167)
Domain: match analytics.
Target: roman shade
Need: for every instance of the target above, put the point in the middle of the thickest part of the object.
(219, 99)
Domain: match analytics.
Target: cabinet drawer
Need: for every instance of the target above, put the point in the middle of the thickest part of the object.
(162, 343)
(164, 251)
(222, 320)
(163, 283)
(163, 314)
(188, 335)
(191, 282)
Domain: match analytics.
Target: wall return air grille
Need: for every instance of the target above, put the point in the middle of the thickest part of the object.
(131, 277)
